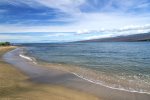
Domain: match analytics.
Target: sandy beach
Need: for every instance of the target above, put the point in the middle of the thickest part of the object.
(50, 76)
(74, 49)
(16, 84)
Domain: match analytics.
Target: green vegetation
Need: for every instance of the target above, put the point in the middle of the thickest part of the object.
(4, 43)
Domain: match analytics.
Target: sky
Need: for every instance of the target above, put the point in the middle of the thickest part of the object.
(71, 20)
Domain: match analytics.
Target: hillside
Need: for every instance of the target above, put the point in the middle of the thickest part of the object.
(128, 38)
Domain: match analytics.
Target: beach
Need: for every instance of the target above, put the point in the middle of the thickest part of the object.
(15, 84)
(74, 50)
(52, 76)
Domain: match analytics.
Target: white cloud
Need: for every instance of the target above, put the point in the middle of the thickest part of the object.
(56, 35)
(81, 20)
(83, 31)
(69, 6)
(126, 30)
(98, 36)
(112, 22)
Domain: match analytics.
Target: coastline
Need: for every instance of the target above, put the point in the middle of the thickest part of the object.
(44, 75)
(17, 85)
(78, 71)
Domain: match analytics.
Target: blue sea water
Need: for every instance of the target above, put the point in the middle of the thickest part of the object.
(124, 65)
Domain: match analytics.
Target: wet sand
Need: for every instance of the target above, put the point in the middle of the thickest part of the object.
(14, 85)
(44, 75)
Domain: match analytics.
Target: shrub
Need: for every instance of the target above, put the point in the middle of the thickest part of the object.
(4, 43)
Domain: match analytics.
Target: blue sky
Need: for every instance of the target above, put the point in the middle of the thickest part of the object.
(71, 20)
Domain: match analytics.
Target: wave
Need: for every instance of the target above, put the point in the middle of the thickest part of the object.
(33, 60)
(92, 76)
(111, 87)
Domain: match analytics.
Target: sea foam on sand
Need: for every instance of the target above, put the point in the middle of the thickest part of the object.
(27, 58)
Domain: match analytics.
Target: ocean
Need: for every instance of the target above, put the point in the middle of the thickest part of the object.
(117, 65)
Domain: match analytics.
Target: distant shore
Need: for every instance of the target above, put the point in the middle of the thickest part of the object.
(16, 85)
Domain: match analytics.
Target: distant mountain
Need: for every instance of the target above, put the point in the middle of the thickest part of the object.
(128, 38)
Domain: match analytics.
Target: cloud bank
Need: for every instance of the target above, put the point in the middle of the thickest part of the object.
(95, 17)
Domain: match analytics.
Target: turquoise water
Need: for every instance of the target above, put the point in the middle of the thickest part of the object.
(124, 65)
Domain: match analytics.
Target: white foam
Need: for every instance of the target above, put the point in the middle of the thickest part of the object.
(27, 58)
(101, 83)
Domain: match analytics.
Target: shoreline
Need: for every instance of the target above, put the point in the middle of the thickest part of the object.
(19, 85)
(58, 77)
(71, 69)
(64, 67)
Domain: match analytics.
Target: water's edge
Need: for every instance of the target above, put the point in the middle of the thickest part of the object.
(34, 61)
(40, 74)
